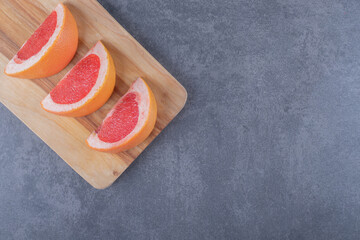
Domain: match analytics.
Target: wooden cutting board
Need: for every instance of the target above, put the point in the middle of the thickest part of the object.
(66, 136)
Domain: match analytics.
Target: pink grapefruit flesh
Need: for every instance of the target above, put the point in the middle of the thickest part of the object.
(78, 82)
(39, 38)
(122, 121)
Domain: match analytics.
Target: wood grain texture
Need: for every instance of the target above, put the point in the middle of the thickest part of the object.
(66, 136)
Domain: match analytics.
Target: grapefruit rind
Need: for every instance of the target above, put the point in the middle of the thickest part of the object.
(97, 96)
(146, 122)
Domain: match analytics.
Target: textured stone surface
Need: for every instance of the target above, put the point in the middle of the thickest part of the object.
(267, 146)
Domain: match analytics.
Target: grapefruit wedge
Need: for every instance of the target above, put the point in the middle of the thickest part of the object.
(129, 122)
(49, 49)
(86, 87)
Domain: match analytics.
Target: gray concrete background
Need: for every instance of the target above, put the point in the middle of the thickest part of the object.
(267, 146)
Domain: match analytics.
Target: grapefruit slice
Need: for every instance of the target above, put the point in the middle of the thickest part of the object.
(129, 122)
(86, 87)
(49, 49)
